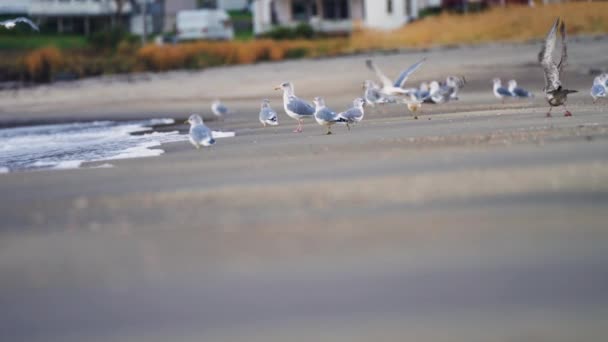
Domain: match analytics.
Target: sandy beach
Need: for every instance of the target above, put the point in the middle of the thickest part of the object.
(480, 221)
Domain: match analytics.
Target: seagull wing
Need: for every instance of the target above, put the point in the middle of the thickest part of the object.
(400, 82)
(564, 60)
(299, 106)
(386, 82)
(27, 21)
(545, 57)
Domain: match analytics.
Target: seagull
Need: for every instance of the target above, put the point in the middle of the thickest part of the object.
(11, 23)
(355, 113)
(439, 93)
(389, 87)
(455, 83)
(199, 133)
(500, 91)
(554, 92)
(423, 92)
(518, 91)
(324, 115)
(373, 95)
(219, 109)
(295, 107)
(267, 115)
(413, 104)
(599, 88)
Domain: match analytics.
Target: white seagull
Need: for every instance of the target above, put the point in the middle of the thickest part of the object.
(219, 109)
(11, 23)
(600, 87)
(325, 116)
(518, 91)
(354, 114)
(295, 107)
(499, 91)
(267, 115)
(389, 87)
(200, 135)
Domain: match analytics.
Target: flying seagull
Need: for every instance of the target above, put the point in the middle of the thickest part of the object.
(389, 87)
(200, 135)
(267, 115)
(554, 92)
(11, 23)
(295, 107)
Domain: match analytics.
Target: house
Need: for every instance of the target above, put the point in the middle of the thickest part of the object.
(227, 5)
(334, 16)
(78, 16)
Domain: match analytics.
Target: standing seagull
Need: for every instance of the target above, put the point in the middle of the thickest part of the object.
(219, 109)
(324, 115)
(295, 107)
(599, 88)
(554, 92)
(200, 135)
(389, 87)
(267, 115)
(500, 91)
(354, 114)
(518, 91)
(11, 23)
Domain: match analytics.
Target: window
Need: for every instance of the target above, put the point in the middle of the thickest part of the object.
(336, 9)
(389, 6)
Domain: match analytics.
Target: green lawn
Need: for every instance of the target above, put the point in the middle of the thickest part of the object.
(33, 41)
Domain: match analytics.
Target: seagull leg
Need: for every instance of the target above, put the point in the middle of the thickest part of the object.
(549, 112)
(348, 126)
(328, 130)
(567, 112)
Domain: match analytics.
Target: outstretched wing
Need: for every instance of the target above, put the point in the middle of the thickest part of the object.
(26, 21)
(564, 59)
(400, 82)
(386, 82)
(545, 58)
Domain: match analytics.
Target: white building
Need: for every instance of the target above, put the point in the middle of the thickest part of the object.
(77, 15)
(334, 15)
(224, 4)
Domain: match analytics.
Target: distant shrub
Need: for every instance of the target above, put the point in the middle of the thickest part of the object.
(42, 64)
(302, 31)
(110, 39)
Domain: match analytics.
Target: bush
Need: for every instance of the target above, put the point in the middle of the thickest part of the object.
(43, 63)
(109, 39)
(302, 31)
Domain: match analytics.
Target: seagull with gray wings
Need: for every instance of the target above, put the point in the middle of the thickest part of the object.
(355, 113)
(11, 23)
(389, 87)
(199, 135)
(600, 87)
(295, 107)
(325, 116)
(555, 93)
(267, 115)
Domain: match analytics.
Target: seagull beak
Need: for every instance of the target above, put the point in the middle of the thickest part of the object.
(186, 121)
(277, 88)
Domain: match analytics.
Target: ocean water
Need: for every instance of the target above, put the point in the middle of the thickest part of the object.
(67, 146)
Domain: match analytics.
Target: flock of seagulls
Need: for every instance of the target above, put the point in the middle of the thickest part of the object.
(391, 92)
(396, 92)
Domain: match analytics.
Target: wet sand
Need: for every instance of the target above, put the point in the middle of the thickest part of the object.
(477, 222)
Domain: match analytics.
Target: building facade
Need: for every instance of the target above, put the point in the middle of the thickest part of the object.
(333, 15)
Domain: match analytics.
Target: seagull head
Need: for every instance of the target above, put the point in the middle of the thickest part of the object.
(424, 86)
(265, 103)
(497, 82)
(287, 87)
(512, 85)
(359, 102)
(433, 86)
(195, 119)
(318, 101)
